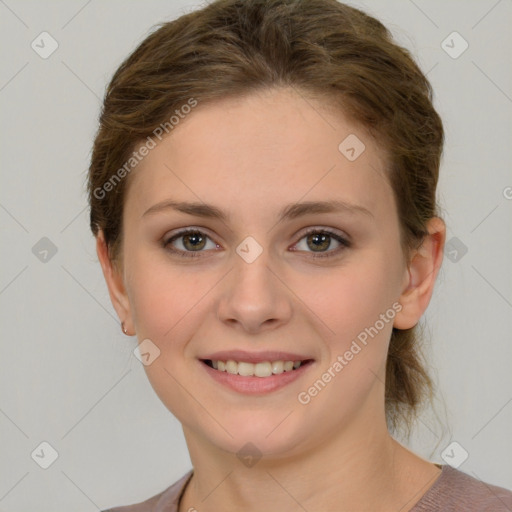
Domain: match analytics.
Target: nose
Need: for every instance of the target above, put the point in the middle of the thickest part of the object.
(253, 297)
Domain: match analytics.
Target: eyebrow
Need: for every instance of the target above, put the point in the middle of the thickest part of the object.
(289, 212)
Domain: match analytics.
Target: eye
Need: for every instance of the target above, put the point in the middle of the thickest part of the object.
(320, 240)
(191, 241)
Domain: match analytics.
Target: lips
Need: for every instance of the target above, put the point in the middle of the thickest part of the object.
(255, 372)
(254, 384)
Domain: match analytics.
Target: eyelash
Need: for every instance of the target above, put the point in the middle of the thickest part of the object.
(345, 244)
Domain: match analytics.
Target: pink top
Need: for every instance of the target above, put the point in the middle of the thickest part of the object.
(453, 491)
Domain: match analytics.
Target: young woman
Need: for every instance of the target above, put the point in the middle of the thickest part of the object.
(263, 195)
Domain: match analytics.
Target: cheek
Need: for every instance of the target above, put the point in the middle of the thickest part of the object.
(163, 297)
(356, 303)
(168, 305)
(350, 298)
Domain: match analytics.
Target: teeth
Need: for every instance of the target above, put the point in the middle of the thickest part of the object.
(277, 367)
(265, 369)
(232, 367)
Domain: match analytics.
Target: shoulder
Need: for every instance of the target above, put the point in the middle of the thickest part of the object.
(455, 490)
(167, 500)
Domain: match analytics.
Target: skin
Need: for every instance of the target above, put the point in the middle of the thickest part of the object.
(250, 157)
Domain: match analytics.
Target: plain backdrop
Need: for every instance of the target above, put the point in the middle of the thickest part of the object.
(68, 376)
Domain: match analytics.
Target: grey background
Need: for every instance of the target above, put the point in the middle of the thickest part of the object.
(68, 375)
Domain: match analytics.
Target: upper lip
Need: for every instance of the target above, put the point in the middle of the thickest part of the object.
(255, 357)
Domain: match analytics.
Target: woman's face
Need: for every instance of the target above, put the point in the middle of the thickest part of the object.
(258, 281)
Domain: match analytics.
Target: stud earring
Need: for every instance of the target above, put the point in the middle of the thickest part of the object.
(123, 328)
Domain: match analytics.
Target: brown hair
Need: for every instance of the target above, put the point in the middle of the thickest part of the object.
(319, 47)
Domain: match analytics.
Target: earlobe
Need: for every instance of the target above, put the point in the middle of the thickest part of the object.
(115, 284)
(422, 273)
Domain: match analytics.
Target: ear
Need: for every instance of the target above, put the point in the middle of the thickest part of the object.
(115, 283)
(421, 274)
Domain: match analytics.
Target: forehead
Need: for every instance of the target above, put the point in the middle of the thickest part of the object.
(267, 148)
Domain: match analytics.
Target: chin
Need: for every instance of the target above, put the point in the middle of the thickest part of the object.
(259, 435)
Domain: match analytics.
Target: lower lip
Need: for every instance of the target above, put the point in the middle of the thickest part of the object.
(256, 385)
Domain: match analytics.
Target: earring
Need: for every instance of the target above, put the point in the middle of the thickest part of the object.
(123, 328)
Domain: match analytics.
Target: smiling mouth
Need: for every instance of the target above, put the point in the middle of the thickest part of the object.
(262, 369)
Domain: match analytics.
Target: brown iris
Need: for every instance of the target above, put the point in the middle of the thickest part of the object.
(194, 241)
(320, 240)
